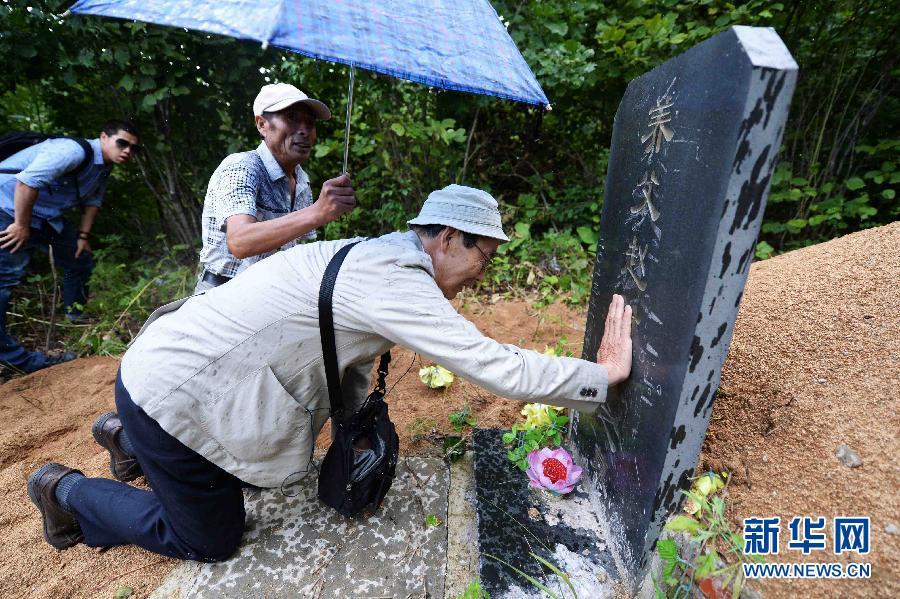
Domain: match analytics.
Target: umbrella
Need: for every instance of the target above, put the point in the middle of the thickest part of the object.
(451, 44)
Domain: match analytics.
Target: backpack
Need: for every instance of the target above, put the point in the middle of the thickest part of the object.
(12, 143)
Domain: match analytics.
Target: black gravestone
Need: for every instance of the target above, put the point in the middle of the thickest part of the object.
(694, 145)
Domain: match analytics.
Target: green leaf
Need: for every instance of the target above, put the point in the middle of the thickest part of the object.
(126, 83)
(556, 571)
(888, 194)
(764, 250)
(587, 235)
(399, 129)
(432, 521)
(682, 523)
(508, 438)
(530, 579)
(559, 28)
(123, 593)
(149, 101)
(667, 549)
(854, 183)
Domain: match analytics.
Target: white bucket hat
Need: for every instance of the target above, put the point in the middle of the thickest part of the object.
(278, 96)
(464, 208)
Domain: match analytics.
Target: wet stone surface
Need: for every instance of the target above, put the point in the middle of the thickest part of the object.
(298, 547)
(514, 521)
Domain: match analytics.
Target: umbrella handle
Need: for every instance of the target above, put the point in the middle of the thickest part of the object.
(347, 125)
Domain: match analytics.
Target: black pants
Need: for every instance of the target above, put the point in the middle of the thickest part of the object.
(195, 511)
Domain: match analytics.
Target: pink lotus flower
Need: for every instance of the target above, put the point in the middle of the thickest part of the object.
(553, 470)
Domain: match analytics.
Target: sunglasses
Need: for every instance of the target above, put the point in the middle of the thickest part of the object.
(124, 144)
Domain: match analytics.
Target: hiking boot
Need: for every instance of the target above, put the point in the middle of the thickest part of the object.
(59, 358)
(61, 529)
(123, 465)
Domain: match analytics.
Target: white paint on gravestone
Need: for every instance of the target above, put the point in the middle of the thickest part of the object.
(765, 48)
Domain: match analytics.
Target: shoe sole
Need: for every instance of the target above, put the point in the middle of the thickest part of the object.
(96, 429)
(33, 495)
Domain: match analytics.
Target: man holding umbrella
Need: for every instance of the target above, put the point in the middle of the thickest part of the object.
(260, 201)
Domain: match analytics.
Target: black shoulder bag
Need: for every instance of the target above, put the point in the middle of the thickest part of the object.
(360, 464)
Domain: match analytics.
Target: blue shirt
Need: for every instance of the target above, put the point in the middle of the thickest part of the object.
(42, 167)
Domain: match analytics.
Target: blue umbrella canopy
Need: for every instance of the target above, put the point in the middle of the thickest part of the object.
(451, 44)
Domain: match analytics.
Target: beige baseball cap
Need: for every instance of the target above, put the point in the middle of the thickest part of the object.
(278, 96)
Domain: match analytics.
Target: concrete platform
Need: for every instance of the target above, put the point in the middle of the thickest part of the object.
(298, 547)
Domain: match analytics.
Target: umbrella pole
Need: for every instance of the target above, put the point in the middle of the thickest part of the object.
(347, 125)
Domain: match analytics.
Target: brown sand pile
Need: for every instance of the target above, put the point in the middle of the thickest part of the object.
(47, 416)
(815, 362)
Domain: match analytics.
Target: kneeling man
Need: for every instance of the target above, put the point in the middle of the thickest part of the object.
(228, 387)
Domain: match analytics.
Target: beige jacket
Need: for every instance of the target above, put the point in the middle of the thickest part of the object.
(236, 373)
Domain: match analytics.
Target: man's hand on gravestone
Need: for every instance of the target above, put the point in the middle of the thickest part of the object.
(615, 347)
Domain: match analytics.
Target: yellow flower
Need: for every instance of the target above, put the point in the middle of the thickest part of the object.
(708, 484)
(550, 351)
(537, 414)
(703, 485)
(436, 376)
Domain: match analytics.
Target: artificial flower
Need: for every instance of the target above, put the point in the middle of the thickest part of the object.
(436, 376)
(553, 470)
(708, 483)
(538, 414)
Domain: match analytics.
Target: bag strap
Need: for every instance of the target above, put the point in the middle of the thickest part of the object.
(326, 333)
(82, 166)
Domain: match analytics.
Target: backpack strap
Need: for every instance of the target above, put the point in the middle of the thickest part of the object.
(88, 159)
(74, 173)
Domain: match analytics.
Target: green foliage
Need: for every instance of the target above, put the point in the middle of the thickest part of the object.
(123, 294)
(123, 592)
(712, 549)
(523, 439)
(432, 521)
(474, 591)
(811, 211)
(463, 418)
(190, 93)
(557, 266)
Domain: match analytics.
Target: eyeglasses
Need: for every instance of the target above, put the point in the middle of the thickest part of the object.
(486, 260)
(124, 144)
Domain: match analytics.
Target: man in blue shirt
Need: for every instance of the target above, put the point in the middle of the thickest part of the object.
(32, 203)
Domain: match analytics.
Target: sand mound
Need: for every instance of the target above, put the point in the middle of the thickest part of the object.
(815, 362)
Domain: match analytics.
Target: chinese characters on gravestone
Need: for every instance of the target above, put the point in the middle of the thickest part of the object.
(694, 144)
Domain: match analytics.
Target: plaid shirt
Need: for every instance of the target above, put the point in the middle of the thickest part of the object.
(247, 183)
